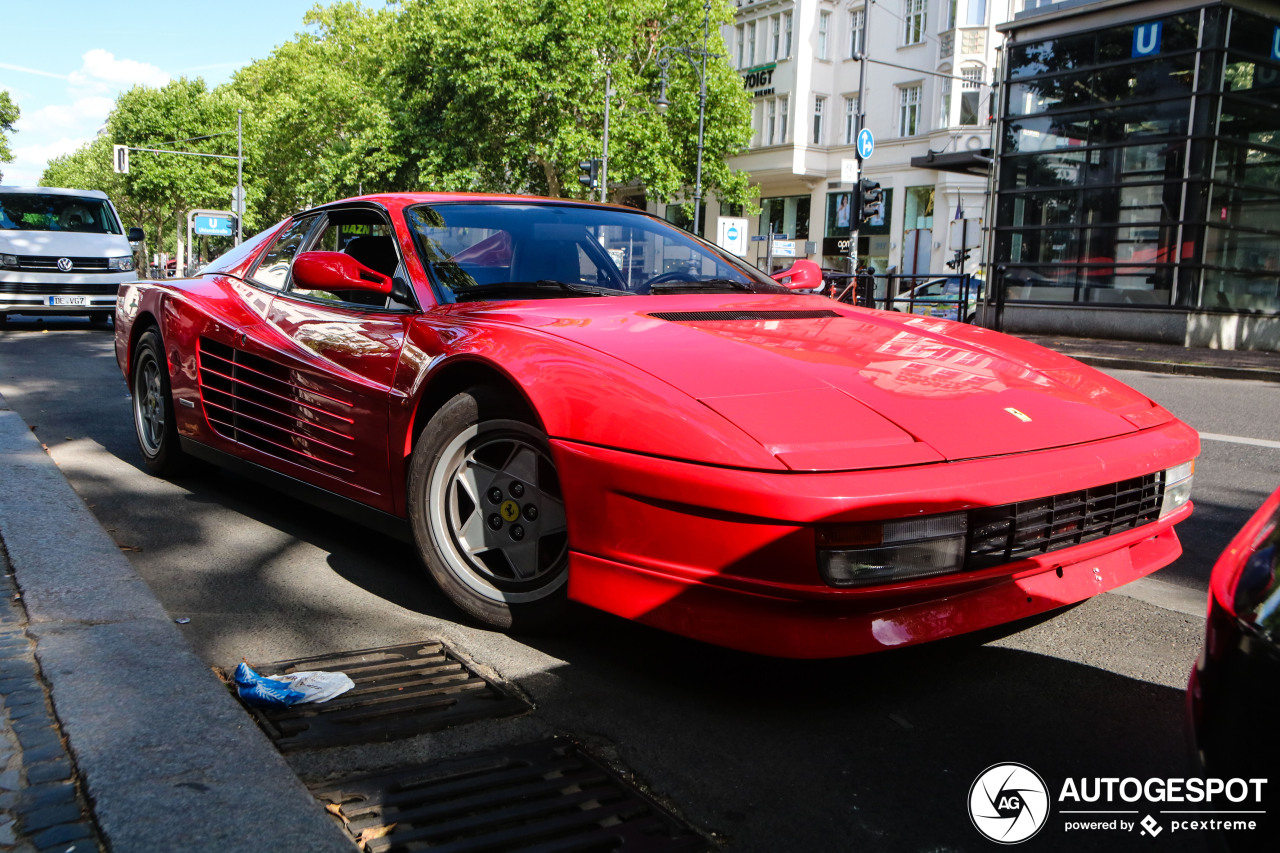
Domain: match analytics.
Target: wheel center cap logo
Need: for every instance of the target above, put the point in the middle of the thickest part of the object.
(1008, 803)
(510, 510)
(64, 264)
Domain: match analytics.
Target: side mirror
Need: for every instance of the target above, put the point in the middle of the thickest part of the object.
(337, 271)
(136, 235)
(803, 275)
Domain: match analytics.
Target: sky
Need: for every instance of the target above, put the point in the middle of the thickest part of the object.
(64, 61)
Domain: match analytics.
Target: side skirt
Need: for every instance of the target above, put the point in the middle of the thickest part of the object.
(385, 523)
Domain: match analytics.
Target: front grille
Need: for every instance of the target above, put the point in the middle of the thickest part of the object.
(49, 263)
(262, 404)
(106, 288)
(1002, 534)
(716, 316)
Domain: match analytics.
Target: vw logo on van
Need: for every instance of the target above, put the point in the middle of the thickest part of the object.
(64, 264)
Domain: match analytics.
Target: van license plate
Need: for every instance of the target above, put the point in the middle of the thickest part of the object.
(69, 300)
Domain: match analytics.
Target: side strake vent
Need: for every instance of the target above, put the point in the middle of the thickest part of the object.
(258, 403)
(719, 316)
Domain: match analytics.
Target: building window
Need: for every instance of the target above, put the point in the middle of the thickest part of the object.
(772, 121)
(755, 125)
(782, 118)
(909, 111)
(977, 16)
(819, 104)
(775, 37)
(951, 15)
(913, 22)
(742, 46)
(824, 30)
(751, 43)
(970, 96)
(944, 118)
(857, 32)
(850, 119)
(786, 35)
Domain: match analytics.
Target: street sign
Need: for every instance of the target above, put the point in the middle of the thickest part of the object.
(237, 200)
(215, 226)
(848, 170)
(759, 238)
(731, 234)
(866, 143)
(120, 159)
(784, 248)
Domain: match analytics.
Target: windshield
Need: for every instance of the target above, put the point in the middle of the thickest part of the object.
(39, 212)
(514, 250)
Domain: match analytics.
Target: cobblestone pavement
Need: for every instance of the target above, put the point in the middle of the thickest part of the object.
(41, 807)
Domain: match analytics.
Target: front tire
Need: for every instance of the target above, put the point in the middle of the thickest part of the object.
(153, 418)
(488, 515)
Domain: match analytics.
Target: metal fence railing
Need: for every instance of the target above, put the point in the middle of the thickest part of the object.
(951, 297)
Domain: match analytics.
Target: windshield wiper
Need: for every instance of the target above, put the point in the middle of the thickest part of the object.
(701, 284)
(543, 287)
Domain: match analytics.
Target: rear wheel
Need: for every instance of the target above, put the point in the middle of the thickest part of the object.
(153, 418)
(488, 515)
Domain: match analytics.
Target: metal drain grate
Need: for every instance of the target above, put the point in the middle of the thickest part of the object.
(400, 691)
(547, 796)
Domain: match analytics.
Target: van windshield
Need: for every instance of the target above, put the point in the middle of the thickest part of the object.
(39, 212)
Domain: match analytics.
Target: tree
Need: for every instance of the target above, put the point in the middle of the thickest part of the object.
(508, 95)
(318, 121)
(9, 113)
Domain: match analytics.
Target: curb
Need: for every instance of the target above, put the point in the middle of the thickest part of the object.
(168, 758)
(1177, 368)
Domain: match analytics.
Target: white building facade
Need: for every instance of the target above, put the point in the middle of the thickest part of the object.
(928, 98)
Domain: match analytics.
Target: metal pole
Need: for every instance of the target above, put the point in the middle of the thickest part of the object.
(855, 216)
(702, 111)
(240, 176)
(604, 161)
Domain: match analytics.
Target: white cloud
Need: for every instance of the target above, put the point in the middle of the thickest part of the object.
(84, 115)
(102, 72)
(29, 160)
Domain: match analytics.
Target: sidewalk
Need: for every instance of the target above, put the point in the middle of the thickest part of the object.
(1165, 358)
(113, 734)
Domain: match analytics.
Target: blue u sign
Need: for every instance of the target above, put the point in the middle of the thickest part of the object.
(1146, 39)
(1275, 44)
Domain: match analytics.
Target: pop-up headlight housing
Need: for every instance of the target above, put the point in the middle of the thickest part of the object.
(883, 552)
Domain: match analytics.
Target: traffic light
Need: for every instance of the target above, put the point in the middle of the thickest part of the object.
(590, 177)
(869, 199)
(959, 260)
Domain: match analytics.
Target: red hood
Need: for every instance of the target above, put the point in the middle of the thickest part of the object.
(850, 388)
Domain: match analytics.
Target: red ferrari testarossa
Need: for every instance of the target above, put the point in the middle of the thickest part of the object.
(564, 401)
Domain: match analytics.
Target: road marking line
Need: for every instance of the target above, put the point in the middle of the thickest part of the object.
(1235, 439)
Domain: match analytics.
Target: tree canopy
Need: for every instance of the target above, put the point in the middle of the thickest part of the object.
(9, 114)
(483, 95)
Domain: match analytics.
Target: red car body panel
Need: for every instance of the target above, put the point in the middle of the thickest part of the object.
(695, 455)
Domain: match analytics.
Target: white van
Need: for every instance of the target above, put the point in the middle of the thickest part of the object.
(62, 252)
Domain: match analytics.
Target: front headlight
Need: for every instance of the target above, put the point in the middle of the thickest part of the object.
(1177, 487)
(123, 264)
(865, 553)
(8, 260)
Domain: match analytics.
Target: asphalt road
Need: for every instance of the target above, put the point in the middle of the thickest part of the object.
(870, 753)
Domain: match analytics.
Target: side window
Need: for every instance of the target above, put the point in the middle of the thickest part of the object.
(273, 268)
(367, 238)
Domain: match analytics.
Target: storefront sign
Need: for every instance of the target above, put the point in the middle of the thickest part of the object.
(759, 81)
(835, 245)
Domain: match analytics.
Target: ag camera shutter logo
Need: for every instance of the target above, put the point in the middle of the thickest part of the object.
(1008, 803)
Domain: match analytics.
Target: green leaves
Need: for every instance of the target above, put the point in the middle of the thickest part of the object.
(9, 113)
(477, 95)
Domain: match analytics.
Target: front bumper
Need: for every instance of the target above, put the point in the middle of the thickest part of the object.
(58, 293)
(729, 556)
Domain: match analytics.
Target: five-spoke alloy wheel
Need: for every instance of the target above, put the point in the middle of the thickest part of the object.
(487, 513)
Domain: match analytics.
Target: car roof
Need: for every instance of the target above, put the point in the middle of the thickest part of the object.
(54, 191)
(399, 201)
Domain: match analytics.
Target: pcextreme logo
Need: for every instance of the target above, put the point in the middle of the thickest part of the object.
(1008, 803)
